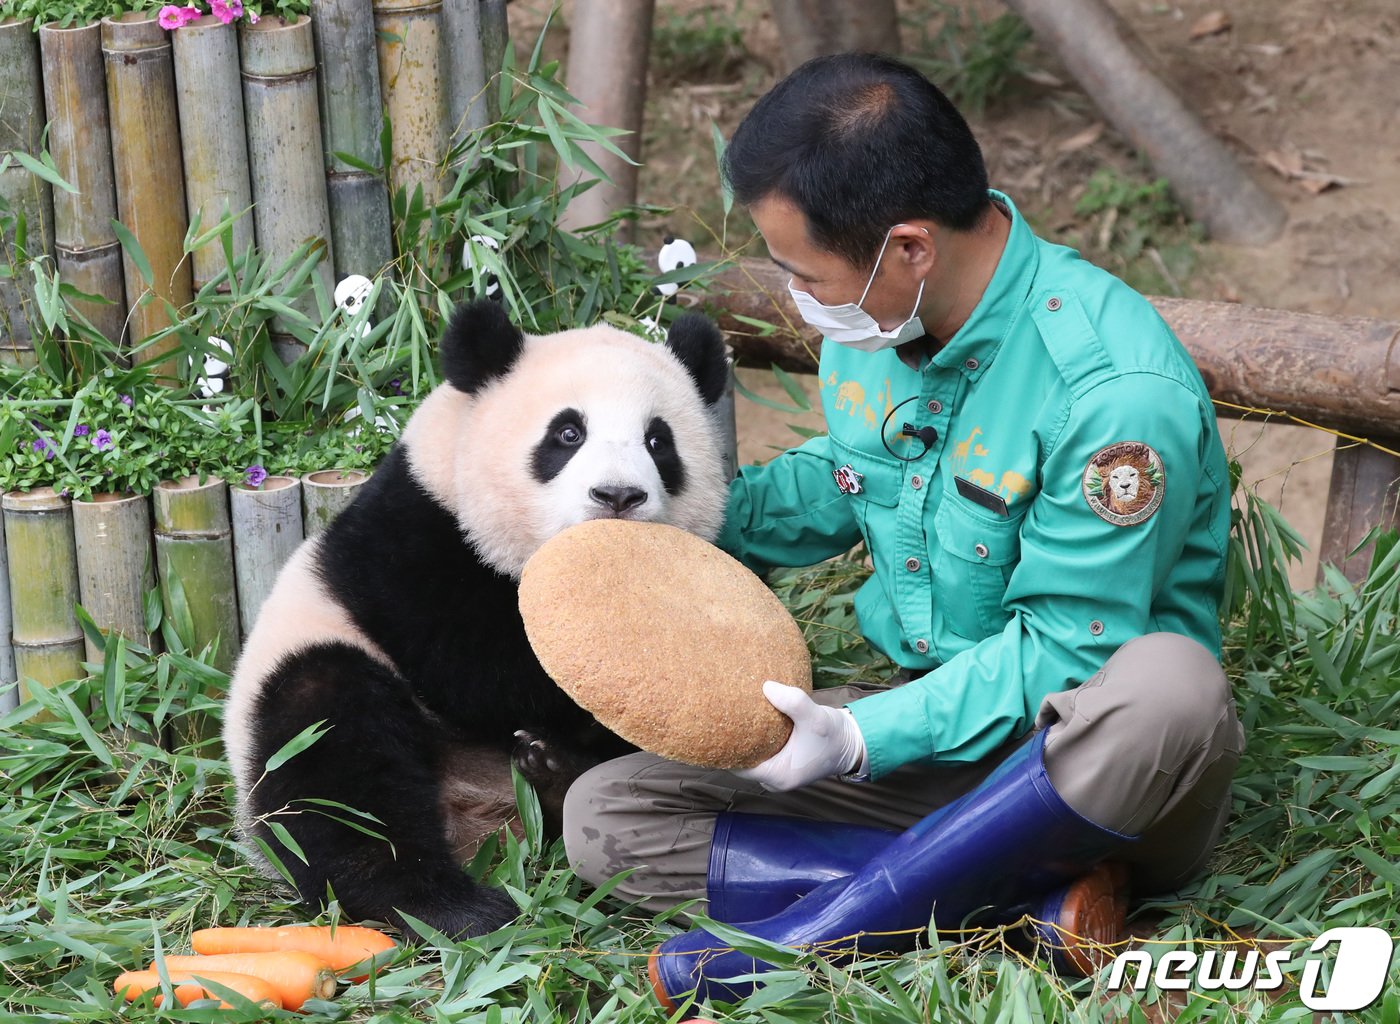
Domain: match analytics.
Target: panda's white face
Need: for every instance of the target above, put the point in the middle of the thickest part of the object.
(587, 424)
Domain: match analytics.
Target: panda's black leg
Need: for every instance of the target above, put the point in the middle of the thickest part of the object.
(551, 766)
(373, 770)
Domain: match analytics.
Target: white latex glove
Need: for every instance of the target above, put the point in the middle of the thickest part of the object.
(824, 742)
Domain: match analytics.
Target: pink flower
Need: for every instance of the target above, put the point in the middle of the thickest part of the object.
(191, 14)
(171, 17)
(226, 10)
(253, 18)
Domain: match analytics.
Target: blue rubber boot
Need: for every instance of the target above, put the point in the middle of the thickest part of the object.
(761, 863)
(1001, 848)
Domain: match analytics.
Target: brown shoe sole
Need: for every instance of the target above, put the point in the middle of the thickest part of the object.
(1093, 920)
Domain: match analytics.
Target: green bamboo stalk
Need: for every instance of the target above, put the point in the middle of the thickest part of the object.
(266, 531)
(85, 246)
(21, 128)
(326, 494)
(43, 577)
(466, 71)
(9, 695)
(116, 566)
(213, 137)
(350, 123)
(194, 545)
(148, 173)
(411, 77)
(495, 37)
(285, 157)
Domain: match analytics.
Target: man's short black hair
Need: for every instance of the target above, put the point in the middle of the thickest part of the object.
(859, 142)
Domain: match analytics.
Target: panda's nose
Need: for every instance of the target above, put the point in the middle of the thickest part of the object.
(619, 499)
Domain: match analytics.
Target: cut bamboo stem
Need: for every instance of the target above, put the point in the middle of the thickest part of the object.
(326, 494)
(116, 566)
(194, 546)
(611, 92)
(495, 37)
(213, 138)
(285, 155)
(148, 173)
(21, 128)
(466, 70)
(85, 246)
(43, 577)
(266, 531)
(9, 694)
(411, 77)
(350, 123)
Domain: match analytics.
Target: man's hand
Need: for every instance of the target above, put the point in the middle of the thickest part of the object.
(824, 742)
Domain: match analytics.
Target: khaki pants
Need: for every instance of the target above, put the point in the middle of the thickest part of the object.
(1147, 747)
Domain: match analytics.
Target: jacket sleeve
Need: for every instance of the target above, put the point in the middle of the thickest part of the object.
(789, 511)
(1082, 588)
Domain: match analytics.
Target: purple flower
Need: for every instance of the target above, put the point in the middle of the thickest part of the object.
(82, 430)
(126, 399)
(42, 444)
(397, 385)
(256, 476)
(224, 11)
(171, 17)
(102, 440)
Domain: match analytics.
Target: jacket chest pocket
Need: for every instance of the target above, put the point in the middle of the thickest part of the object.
(872, 487)
(976, 556)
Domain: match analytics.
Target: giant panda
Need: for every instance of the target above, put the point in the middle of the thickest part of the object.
(397, 628)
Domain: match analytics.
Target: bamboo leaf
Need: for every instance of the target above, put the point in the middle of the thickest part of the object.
(296, 745)
(134, 251)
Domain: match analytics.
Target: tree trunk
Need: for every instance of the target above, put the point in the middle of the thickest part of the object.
(608, 48)
(1114, 67)
(810, 28)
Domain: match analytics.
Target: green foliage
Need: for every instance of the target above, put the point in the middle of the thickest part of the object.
(1136, 229)
(972, 60)
(69, 13)
(700, 45)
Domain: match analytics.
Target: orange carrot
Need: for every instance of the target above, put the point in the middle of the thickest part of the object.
(296, 975)
(346, 946)
(187, 989)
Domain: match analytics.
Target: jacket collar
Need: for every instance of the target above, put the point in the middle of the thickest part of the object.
(976, 344)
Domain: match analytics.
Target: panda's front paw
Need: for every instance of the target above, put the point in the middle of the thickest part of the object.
(537, 758)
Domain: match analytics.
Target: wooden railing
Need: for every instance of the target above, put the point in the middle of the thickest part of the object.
(1338, 373)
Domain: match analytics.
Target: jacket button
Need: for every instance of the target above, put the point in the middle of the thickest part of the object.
(1052, 304)
(981, 550)
(1095, 627)
(916, 481)
(912, 564)
(921, 646)
(972, 364)
(935, 406)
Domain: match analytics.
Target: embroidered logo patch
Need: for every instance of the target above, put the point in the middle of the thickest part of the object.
(847, 479)
(1124, 483)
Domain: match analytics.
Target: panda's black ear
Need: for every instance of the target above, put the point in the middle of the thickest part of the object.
(698, 344)
(480, 344)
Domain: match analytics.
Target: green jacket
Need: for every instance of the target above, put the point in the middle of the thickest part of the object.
(1076, 496)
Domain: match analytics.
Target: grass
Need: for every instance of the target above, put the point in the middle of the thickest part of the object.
(115, 846)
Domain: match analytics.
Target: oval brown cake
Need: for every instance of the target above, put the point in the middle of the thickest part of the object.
(665, 639)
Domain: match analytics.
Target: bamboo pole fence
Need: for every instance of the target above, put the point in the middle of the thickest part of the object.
(326, 494)
(267, 529)
(213, 138)
(411, 59)
(86, 249)
(116, 564)
(21, 128)
(194, 556)
(9, 693)
(149, 176)
(285, 156)
(43, 580)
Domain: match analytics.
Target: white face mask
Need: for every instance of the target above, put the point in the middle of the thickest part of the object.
(848, 324)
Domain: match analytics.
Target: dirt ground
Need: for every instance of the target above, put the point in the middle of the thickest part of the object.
(1304, 92)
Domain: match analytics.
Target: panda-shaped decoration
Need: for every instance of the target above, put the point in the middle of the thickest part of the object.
(397, 628)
